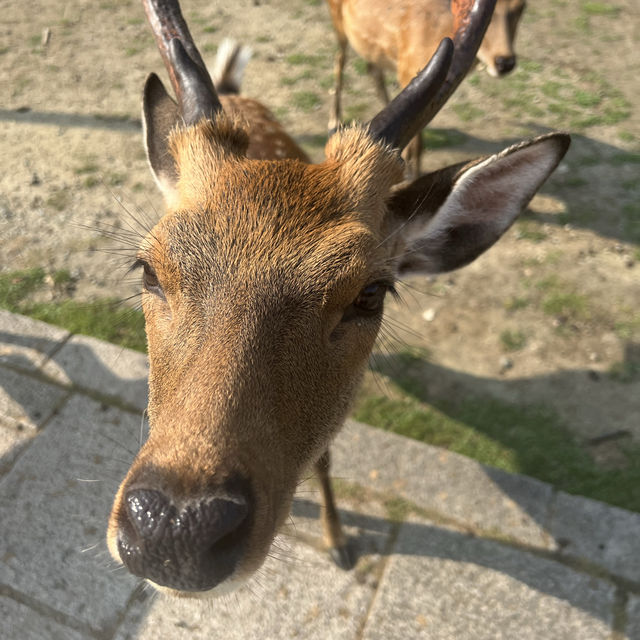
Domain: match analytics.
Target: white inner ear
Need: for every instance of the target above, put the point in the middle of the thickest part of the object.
(483, 203)
(495, 191)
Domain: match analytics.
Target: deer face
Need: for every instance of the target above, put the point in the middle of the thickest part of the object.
(263, 294)
(497, 50)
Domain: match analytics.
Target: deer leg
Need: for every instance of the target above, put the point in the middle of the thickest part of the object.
(333, 535)
(378, 79)
(338, 70)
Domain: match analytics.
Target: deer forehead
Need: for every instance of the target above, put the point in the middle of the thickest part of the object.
(312, 226)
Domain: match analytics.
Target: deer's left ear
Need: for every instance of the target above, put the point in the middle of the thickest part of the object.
(160, 114)
(446, 219)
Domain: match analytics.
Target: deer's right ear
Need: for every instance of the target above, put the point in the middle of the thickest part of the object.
(160, 115)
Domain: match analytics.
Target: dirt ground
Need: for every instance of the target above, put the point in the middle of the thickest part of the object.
(550, 316)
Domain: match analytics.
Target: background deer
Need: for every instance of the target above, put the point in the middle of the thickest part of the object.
(401, 35)
(263, 293)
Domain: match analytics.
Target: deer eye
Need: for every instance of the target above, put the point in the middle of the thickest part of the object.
(149, 278)
(369, 302)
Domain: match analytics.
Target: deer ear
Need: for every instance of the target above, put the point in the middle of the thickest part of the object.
(448, 218)
(160, 115)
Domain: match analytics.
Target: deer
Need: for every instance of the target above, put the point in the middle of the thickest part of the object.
(401, 35)
(263, 288)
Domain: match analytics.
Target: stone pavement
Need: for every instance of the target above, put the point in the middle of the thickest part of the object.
(446, 548)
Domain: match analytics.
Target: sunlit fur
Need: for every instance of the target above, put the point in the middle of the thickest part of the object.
(256, 259)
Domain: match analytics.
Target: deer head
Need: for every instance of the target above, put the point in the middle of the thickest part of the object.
(497, 51)
(263, 292)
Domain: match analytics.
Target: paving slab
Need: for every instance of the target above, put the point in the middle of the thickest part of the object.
(52, 547)
(298, 593)
(20, 621)
(25, 405)
(443, 584)
(444, 482)
(25, 402)
(27, 343)
(633, 619)
(102, 368)
(12, 443)
(597, 532)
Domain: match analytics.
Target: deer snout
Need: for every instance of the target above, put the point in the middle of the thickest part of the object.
(504, 64)
(187, 545)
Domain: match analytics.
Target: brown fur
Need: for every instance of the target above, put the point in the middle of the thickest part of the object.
(401, 37)
(257, 331)
(246, 283)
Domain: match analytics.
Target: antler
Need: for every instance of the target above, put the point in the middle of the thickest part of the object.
(190, 79)
(416, 105)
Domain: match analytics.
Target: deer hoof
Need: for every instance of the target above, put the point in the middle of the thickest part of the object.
(343, 557)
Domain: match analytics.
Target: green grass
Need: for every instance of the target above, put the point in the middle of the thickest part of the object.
(360, 66)
(513, 340)
(600, 9)
(59, 199)
(530, 230)
(304, 58)
(567, 304)
(531, 440)
(626, 371)
(442, 138)
(516, 303)
(104, 319)
(306, 100)
(467, 112)
(559, 300)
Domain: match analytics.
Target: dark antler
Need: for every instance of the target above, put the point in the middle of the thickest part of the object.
(190, 79)
(416, 105)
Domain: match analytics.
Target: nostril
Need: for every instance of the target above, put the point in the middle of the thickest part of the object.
(504, 64)
(191, 546)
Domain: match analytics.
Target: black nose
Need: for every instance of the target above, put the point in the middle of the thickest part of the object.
(504, 64)
(191, 546)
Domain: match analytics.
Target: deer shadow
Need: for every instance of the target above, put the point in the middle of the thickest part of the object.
(80, 120)
(516, 411)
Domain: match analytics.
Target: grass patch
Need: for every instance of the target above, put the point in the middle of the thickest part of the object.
(105, 319)
(360, 66)
(305, 100)
(516, 303)
(631, 221)
(528, 230)
(355, 112)
(626, 371)
(88, 166)
(442, 138)
(467, 111)
(568, 305)
(624, 158)
(59, 199)
(520, 439)
(303, 58)
(512, 340)
(600, 9)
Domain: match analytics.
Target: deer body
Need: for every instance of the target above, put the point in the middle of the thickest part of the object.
(263, 291)
(401, 35)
